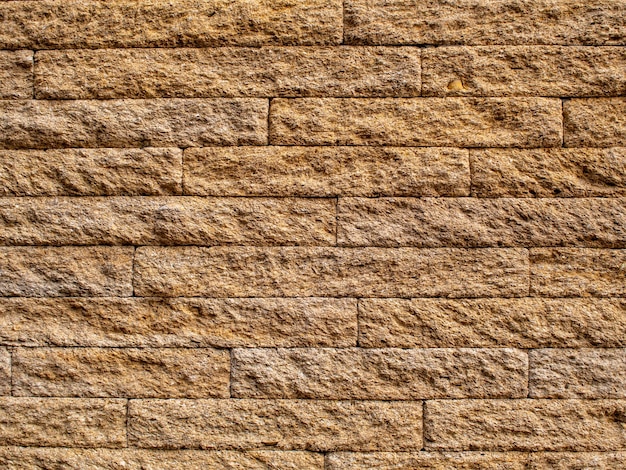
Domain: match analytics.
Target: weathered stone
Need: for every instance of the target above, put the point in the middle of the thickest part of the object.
(318, 425)
(38, 124)
(577, 460)
(16, 74)
(595, 122)
(329, 272)
(5, 372)
(379, 374)
(463, 122)
(326, 171)
(66, 271)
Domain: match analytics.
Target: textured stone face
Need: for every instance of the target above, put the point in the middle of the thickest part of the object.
(569, 460)
(5, 372)
(595, 122)
(16, 74)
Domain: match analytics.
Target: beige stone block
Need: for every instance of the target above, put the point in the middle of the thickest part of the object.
(5, 372)
(575, 460)
(595, 122)
(16, 74)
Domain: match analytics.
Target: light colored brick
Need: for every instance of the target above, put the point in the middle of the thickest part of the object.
(577, 460)
(16, 74)
(595, 122)
(5, 372)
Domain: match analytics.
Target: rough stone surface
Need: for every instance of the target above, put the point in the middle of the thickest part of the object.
(5, 372)
(595, 122)
(577, 460)
(16, 74)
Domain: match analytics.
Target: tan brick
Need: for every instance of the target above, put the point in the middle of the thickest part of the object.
(5, 372)
(318, 425)
(595, 122)
(55, 24)
(463, 122)
(40, 124)
(577, 272)
(16, 74)
(67, 422)
(166, 221)
(533, 425)
(577, 460)
(548, 172)
(379, 374)
(329, 272)
(66, 271)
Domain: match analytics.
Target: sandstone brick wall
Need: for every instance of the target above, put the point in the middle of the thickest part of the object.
(321, 234)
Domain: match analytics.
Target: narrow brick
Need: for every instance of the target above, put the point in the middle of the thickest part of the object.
(36, 124)
(422, 122)
(525, 425)
(166, 221)
(595, 122)
(329, 272)
(577, 460)
(66, 271)
(16, 74)
(317, 425)
(5, 372)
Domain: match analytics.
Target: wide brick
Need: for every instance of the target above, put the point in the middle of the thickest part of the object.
(16, 74)
(66, 422)
(220, 72)
(166, 221)
(329, 272)
(532, 425)
(66, 271)
(120, 373)
(133, 123)
(595, 122)
(578, 172)
(471, 222)
(577, 272)
(153, 322)
(317, 425)
(577, 460)
(422, 122)
(57, 24)
(476, 323)
(379, 374)
(474, 22)
(5, 372)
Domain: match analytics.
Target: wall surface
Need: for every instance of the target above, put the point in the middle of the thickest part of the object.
(306, 235)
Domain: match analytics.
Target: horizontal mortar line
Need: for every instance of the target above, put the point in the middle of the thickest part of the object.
(315, 297)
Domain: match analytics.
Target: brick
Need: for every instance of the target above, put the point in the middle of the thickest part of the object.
(329, 272)
(188, 323)
(39, 124)
(577, 460)
(166, 221)
(473, 22)
(554, 425)
(92, 24)
(121, 373)
(595, 122)
(472, 222)
(483, 323)
(580, 172)
(577, 272)
(5, 372)
(66, 271)
(16, 74)
(317, 425)
(66, 422)
(379, 374)
(422, 122)
(230, 71)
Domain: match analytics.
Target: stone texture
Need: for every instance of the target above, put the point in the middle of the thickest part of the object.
(329, 272)
(317, 425)
(230, 71)
(595, 122)
(463, 122)
(55, 24)
(326, 171)
(66, 271)
(379, 374)
(16, 74)
(167, 221)
(554, 425)
(35, 124)
(472, 222)
(121, 373)
(577, 460)
(5, 372)
(482, 323)
(580, 172)
(190, 323)
(67, 422)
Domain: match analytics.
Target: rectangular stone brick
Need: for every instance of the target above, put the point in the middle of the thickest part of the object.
(121, 373)
(580, 172)
(577, 373)
(575, 460)
(66, 422)
(329, 272)
(166, 221)
(482, 323)
(525, 425)
(379, 374)
(16, 74)
(230, 71)
(5, 372)
(189, 323)
(422, 122)
(317, 425)
(472, 22)
(595, 122)
(40, 124)
(93, 24)
(66, 271)
(577, 272)
(472, 222)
